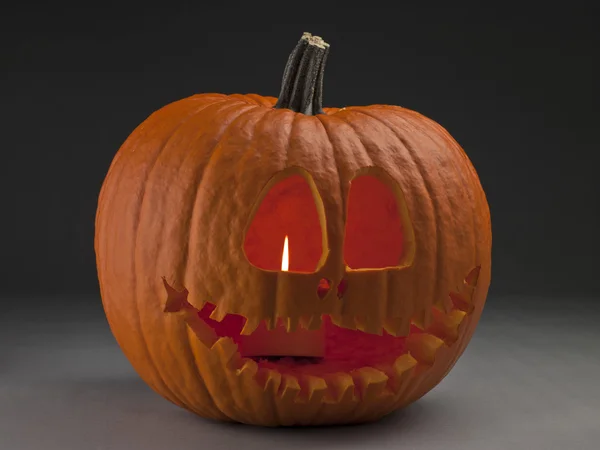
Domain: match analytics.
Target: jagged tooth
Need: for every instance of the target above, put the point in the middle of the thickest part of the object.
(373, 326)
(272, 381)
(315, 323)
(292, 324)
(305, 321)
(336, 319)
(360, 323)
(397, 326)
(447, 304)
(445, 326)
(340, 388)
(218, 314)
(473, 277)
(228, 352)
(344, 321)
(403, 363)
(391, 326)
(423, 346)
(176, 300)
(250, 326)
(269, 323)
(461, 302)
(289, 388)
(249, 367)
(267, 378)
(402, 368)
(368, 325)
(312, 388)
(370, 382)
(422, 319)
(201, 329)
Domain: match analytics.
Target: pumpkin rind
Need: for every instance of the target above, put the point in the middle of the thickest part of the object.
(176, 203)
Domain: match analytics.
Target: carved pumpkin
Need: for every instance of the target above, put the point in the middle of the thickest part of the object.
(276, 263)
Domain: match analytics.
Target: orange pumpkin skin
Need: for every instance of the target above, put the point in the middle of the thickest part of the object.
(171, 221)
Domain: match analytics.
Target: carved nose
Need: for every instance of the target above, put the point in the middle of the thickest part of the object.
(323, 288)
(342, 287)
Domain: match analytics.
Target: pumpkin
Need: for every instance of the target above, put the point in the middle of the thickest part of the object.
(273, 262)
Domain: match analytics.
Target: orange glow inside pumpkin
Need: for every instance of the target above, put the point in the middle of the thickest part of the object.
(374, 236)
(287, 211)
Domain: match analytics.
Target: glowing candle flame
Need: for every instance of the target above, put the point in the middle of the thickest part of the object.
(285, 257)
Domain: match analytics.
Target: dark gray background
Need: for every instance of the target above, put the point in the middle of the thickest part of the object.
(516, 86)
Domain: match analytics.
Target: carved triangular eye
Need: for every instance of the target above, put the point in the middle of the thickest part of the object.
(378, 230)
(291, 207)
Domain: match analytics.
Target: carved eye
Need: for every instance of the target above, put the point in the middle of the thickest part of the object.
(288, 206)
(378, 230)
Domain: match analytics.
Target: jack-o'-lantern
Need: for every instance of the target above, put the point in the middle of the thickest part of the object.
(273, 262)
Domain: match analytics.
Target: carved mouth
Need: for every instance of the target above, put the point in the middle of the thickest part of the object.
(328, 351)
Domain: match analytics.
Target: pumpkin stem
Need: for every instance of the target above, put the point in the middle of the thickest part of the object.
(302, 85)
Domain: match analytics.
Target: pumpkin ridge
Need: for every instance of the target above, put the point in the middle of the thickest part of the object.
(366, 153)
(331, 231)
(343, 191)
(467, 184)
(431, 196)
(227, 104)
(232, 106)
(104, 217)
(109, 179)
(194, 215)
(135, 263)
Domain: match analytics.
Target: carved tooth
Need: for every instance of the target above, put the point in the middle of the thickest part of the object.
(292, 324)
(201, 329)
(176, 300)
(422, 319)
(289, 388)
(340, 388)
(315, 323)
(248, 367)
(305, 321)
(360, 323)
(402, 369)
(312, 388)
(267, 378)
(447, 304)
(397, 326)
(461, 302)
(269, 323)
(368, 325)
(423, 346)
(344, 321)
(370, 382)
(445, 326)
(391, 326)
(472, 277)
(227, 350)
(250, 326)
(218, 314)
(336, 319)
(280, 322)
(373, 326)
(272, 381)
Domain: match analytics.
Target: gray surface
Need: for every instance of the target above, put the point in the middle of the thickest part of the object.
(529, 380)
